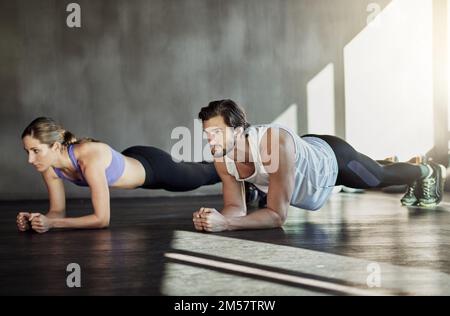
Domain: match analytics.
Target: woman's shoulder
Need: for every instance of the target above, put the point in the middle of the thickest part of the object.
(86, 147)
(90, 151)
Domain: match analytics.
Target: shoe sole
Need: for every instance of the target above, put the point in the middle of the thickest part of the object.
(410, 204)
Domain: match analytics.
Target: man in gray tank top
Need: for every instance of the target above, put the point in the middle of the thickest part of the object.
(294, 170)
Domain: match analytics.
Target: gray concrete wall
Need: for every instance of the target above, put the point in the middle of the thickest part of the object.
(136, 69)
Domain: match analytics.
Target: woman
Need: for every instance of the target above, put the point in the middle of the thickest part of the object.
(58, 155)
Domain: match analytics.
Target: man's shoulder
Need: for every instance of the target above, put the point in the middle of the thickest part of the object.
(275, 136)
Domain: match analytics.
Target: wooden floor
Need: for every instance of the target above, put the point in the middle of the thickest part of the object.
(358, 244)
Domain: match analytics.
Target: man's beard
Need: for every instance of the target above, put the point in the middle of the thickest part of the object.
(220, 153)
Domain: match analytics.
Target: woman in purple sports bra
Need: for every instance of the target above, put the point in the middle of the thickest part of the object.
(58, 155)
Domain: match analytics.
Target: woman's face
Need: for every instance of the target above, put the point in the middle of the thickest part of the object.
(41, 156)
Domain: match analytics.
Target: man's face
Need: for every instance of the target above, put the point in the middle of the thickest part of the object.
(221, 138)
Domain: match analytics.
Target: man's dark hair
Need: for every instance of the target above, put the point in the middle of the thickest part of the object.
(232, 114)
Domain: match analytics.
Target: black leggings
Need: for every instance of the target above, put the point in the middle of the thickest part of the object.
(358, 171)
(161, 172)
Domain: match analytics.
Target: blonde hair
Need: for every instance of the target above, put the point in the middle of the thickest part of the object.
(47, 131)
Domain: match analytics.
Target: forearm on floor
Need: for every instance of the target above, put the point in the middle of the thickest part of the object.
(88, 221)
(233, 211)
(56, 214)
(261, 219)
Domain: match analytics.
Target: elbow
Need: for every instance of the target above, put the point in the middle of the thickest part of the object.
(103, 223)
(280, 221)
(279, 218)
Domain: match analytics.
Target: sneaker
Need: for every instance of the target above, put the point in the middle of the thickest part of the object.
(392, 159)
(412, 195)
(418, 159)
(433, 186)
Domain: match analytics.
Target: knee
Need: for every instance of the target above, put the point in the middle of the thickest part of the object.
(371, 176)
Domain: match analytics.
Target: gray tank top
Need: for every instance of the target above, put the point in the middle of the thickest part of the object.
(315, 172)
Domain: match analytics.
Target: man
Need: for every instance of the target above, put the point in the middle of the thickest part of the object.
(294, 170)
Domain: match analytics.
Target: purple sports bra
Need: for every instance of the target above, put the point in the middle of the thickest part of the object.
(113, 172)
